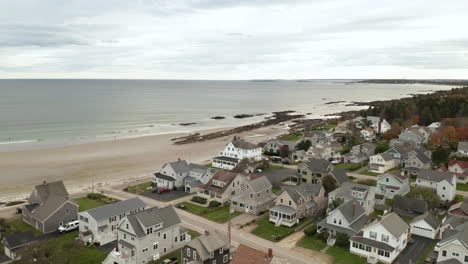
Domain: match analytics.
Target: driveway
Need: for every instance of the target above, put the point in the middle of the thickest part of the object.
(413, 251)
(108, 247)
(277, 176)
(165, 197)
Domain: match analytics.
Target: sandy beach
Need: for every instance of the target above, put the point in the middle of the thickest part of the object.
(106, 162)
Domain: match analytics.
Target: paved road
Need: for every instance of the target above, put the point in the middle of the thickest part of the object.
(414, 250)
(201, 224)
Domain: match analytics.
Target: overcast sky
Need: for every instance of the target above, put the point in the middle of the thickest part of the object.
(233, 39)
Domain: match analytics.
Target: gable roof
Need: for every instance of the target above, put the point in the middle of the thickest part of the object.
(222, 175)
(386, 156)
(409, 204)
(121, 207)
(42, 192)
(318, 165)
(248, 255)
(393, 223)
(238, 143)
(461, 163)
(429, 218)
(340, 175)
(260, 184)
(151, 217)
(394, 174)
(208, 243)
(41, 212)
(435, 176)
(461, 235)
(345, 190)
(351, 210)
(179, 166)
(463, 206)
(302, 190)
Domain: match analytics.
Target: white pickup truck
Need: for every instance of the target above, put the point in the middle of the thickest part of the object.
(69, 226)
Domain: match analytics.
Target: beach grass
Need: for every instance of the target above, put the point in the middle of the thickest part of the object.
(139, 188)
(85, 203)
(342, 255)
(219, 215)
(311, 243)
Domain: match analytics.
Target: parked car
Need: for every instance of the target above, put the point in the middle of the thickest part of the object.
(170, 261)
(275, 159)
(286, 161)
(429, 260)
(163, 190)
(69, 226)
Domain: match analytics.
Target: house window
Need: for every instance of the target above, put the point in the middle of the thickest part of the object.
(455, 254)
(188, 252)
(155, 246)
(281, 201)
(339, 222)
(212, 254)
(384, 238)
(221, 250)
(290, 203)
(164, 236)
(194, 254)
(225, 258)
(373, 235)
(444, 253)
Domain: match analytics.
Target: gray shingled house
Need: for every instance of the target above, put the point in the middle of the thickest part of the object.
(254, 196)
(49, 206)
(313, 170)
(212, 247)
(147, 235)
(100, 224)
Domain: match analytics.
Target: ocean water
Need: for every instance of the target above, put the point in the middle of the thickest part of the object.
(87, 110)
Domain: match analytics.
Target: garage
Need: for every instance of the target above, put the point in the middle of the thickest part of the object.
(426, 225)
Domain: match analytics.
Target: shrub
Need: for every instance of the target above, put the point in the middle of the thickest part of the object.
(323, 236)
(198, 199)
(94, 196)
(214, 204)
(311, 230)
(342, 240)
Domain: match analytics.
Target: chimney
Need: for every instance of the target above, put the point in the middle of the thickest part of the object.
(178, 159)
(207, 233)
(270, 253)
(354, 209)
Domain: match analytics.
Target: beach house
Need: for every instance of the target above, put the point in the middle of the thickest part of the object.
(444, 184)
(99, 225)
(297, 202)
(382, 240)
(382, 162)
(313, 170)
(235, 151)
(211, 247)
(392, 183)
(363, 194)
(254, 195)
(183, 174)
(49, 206)
(453, 248)
(147, 235)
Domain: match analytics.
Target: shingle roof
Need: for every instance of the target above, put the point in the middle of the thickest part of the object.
(318, 165)
(209, 243)
(42, 192)
(351, 210)
(164, 177)
(283, 209)
(340, 175)
(463, 164)
(19, 239)
(386, 156)
(393, 223)
(421, 155)
(222, 175)
(345, 190)
(117, 208)
(410, 204)
(260, 184)
(429, 218)
(179, 166)
(461, 235)
(435, 176)
(230, 159)
(371, 242)
(151, 217)
(244, 144)
(302, 190)
(449, 261)
(43, 211)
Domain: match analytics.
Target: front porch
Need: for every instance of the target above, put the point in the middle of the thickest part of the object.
(283, 215)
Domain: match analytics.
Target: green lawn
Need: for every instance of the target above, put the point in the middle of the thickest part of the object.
(85, 203)
(407, 219)
(370, 173)
(462, 187)
(377, 212)
(311, 243)
(426, 252)
(275, 190)
(19, 225)
(343, 256)
(274, 167)
(141, 188)
(367, 182)
(269, 231)
(193, 233)
(292, 137)
(330, 126)
(220, 215)
(344, 165)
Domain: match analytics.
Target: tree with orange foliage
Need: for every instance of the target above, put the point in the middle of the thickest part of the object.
(447, 136)
(394, 132)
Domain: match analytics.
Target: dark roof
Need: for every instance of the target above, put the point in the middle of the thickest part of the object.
(318, 165)
(208, 243)
(302, 190)
(340, 175)
(222, 158)
(42, 192)
(19, 239)
(151, 217)
(351, 210)
(450, 261)
(163, 177)
(126, 244)
(393, 223)
(179, 166)
(373, 243)
(222, 175)
(410, 204)
(117, 208)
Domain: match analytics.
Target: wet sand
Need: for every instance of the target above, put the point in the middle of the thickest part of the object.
(106, 162)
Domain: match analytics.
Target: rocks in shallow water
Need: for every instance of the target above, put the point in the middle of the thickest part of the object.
(218, 117)
(187, 124)
(243, 116)
(335, 102)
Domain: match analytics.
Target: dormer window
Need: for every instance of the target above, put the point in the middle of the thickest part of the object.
(221, 250)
